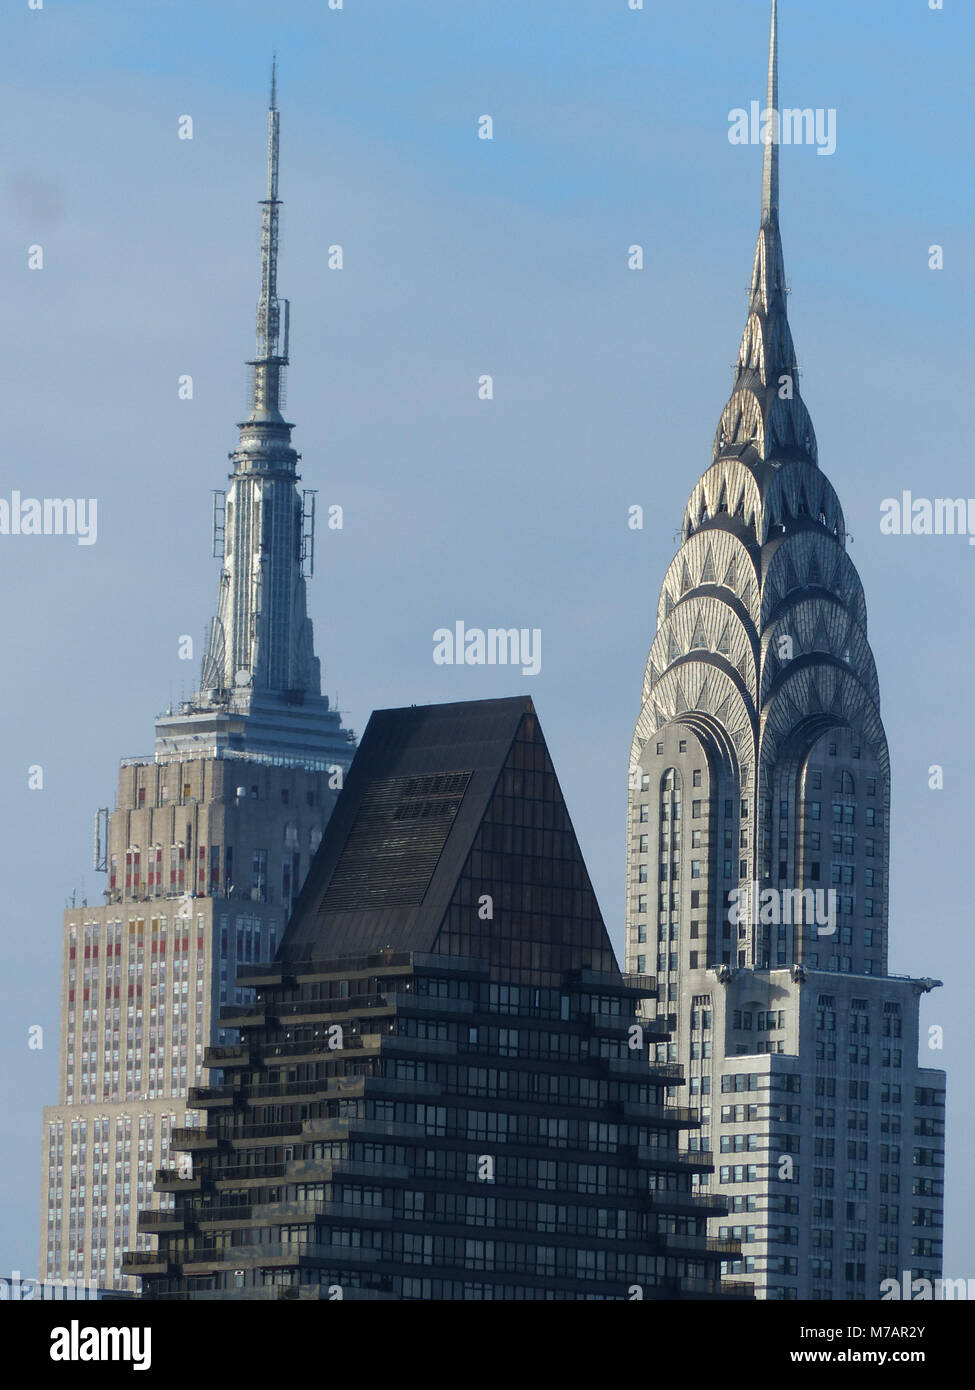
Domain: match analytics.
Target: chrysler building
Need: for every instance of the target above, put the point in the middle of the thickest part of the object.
(757, 851)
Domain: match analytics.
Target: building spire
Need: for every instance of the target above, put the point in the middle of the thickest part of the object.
(261, 682)
(272, 346)
(770, 173)
(765, 412)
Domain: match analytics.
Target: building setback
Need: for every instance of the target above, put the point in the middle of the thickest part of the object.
(441, 1091)
(206, 849)
(758, 844)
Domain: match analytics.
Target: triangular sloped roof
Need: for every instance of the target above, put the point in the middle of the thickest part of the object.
(396, 858)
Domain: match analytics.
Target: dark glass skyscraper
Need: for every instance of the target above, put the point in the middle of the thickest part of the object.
(442, 1091)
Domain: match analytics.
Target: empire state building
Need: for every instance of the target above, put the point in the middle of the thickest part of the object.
(207, 847)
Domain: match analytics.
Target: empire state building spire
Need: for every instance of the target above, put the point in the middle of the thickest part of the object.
(260, 685)
(272, 352)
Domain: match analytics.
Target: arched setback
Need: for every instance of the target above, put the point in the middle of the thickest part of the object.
(845, 849)
(685, 826)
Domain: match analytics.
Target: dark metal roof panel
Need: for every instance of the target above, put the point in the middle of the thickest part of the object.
(402, 828)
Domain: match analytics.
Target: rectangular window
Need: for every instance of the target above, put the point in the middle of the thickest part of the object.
(259, 876)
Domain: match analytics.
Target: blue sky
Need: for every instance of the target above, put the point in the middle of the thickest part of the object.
(463, 257)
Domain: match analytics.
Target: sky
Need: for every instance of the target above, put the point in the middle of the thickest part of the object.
(464, 257)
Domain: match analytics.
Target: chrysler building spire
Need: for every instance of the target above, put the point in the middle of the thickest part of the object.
(765, 411)
(770, 174)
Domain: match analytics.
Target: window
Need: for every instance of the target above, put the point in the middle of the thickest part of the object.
(696, 777)
(815, 810)
(259, 876)
(682, 746)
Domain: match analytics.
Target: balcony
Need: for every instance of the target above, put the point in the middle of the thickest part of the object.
(700, 1244)
(209, 1098)
(698, 1202)
(679, 1158)
(646, 984)
(671, 1072)
(229, 1056)
(152, 1222)
(286, 1129)
(146, 1263)
(734, 1290)
(169, 1180)
(243, 1016)
(247, 1256)
(193, 1141)
(256, 975)
(678, 1116)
